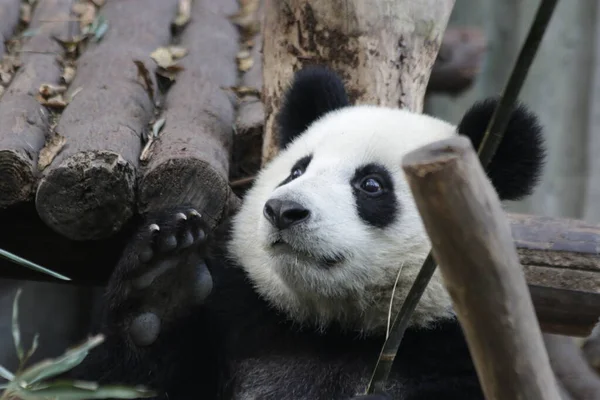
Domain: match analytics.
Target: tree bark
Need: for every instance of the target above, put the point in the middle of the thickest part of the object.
(24, 123)
(472, 244)
(88, 191)
(189, 162)
(383, 49)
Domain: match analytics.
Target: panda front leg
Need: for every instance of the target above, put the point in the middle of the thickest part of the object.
(158, 333)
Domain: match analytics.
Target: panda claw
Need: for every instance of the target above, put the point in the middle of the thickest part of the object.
(153, 228)
(180, 217)
(195, 214)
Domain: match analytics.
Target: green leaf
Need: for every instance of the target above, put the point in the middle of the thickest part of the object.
(157, 127)
(52, 367)
(32, 349)
(6, 374)
(23, 262)
(78, 390)
(99, 27)
(16, 332)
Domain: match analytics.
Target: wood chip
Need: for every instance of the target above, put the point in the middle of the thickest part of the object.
(50, 150)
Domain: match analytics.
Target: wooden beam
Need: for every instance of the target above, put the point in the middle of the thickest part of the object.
(472, 244)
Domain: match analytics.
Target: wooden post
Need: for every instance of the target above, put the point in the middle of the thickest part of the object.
(472, 244)
(383, 49)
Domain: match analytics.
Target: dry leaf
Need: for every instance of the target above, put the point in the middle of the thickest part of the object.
(170, 72)
(47, 90)
(184, 12)
(25, 13)
(178, 52)
(242, 91)
(166, 57)
(246, 14)
(146, 80)
(244, 60)
(68, 75)
(162, 56)
(57, 102)
(86, 13)
(50, 150)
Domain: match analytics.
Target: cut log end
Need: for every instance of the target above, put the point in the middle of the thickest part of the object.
(191, 181)
(17, 178)
(89, 196)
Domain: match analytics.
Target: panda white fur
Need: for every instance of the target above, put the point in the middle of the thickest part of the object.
(290, 299)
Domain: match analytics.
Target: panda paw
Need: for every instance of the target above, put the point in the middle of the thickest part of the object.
(161, 275)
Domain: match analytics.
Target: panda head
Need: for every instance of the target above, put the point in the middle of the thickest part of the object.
(329, 232)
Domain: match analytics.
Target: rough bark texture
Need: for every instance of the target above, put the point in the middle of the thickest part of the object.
(24, 123)
(571, 368)
(472, 243)
(88, 192)
(189, 163)
(383, 49)
(9, 20)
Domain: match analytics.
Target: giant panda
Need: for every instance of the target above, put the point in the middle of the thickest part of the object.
(289, 299)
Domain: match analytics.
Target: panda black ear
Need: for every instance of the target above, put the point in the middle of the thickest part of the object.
(519, 160)
(314, 92)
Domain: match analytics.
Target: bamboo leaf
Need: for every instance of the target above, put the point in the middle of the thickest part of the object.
(16, 331)
(23, 262)
(77, 390)
(6, 374)
(52, 367)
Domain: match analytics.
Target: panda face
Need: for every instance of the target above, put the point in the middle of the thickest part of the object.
(330, 222)
(330, 232)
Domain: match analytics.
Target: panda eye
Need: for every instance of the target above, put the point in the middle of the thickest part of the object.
(296, 172)
(371, 185)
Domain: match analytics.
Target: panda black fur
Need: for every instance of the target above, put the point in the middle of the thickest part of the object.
(290, 298)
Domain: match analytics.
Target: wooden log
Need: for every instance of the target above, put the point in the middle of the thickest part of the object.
(352, 38)
(250, 118)
(570, 312)
(472, 244)
(88, 192)
(189, 163)
(9, 20)
(24, 123)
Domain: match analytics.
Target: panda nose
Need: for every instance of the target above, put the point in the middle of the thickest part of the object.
(285, 213)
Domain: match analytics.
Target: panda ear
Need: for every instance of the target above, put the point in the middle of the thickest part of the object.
(518, 162)
(314, 92)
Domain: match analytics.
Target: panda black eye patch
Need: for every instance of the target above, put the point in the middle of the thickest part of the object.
(298, 169)
(373, 190)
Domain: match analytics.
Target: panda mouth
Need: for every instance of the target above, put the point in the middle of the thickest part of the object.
(281, 245)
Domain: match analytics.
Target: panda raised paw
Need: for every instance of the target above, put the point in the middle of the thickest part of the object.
(161, 274)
